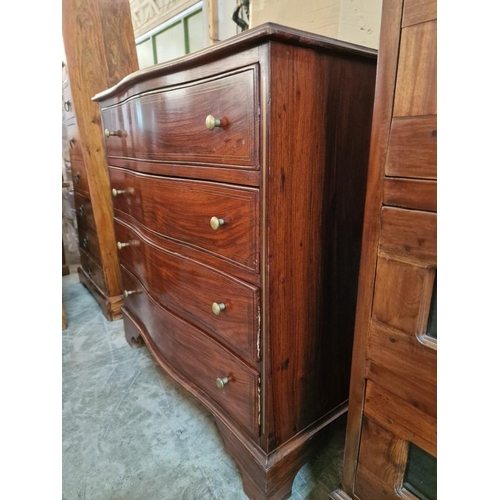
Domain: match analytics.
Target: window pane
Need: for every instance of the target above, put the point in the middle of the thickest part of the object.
(145, 53)
(432, 323)
(421, 474)
(196, 32)
(170, 43)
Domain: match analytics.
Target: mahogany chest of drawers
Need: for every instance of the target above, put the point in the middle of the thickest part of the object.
(239, 176)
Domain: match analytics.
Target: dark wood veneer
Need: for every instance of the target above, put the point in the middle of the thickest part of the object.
(169, 124)
(182, 210)
(189, 288)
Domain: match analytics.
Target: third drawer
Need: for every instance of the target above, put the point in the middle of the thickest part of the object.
(223, 306)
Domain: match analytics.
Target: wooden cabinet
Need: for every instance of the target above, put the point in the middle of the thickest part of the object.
(392, 424)
(100, 50)
(239, 176)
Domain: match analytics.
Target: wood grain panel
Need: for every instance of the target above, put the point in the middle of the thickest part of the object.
(189, 288)
(393, 374)
(401, 418)
(398, 294)
(413, 148)
(382, 116)
(382, 453)
(182, 210)
(118, 38)
(169, 124)
(409, 236)
(370, 487)
(416, 194)
(416, 89)
(403, 354)
(310, 215)
(200, 359)
(419, 11)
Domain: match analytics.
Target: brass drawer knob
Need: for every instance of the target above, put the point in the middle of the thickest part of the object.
(85, 243)
(116, 192)
(211, 122)
(131, 243)
(215, 223)
(77, 177)
(89, 271)
(218, 307)
(222, 382)
(81, 210)
(111, 133)
(67, 105)
(127, 293)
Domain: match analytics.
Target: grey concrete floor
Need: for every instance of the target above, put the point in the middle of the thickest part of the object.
(131, 433)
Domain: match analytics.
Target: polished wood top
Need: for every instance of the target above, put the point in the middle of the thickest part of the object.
(237, 43)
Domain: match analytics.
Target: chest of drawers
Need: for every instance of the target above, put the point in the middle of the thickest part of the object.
(239, 176)
(99, 50)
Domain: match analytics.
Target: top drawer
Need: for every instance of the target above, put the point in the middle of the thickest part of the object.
(169, 124)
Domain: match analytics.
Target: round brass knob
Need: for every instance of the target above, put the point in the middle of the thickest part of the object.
(211, 122)
(89, 271)
(77, 178)
(215, 223)
(218, 307)
(127, 293)
(85, 243)
(81, 210)
(222, 382)
(109, 133)
(116, 192)
(131, 243)
(67, 105)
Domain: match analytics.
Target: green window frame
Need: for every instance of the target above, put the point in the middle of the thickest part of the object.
(183, 19)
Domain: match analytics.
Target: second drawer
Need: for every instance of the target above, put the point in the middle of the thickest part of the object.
(185, 210)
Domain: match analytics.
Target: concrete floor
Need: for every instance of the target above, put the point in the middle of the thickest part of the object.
(131, 433)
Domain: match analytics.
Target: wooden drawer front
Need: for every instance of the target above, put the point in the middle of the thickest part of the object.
(416, 85)
(79, 176)
(419, 11)
(169, 124)
(93, 270)
(84, 213)
(189, 289)
(199, 358)
(412, 148)
(68, 107)
(182, 210)
(88, 241)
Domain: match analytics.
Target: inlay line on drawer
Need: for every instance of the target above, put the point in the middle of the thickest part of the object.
(190, 289)
(182, 209)
(170, 124)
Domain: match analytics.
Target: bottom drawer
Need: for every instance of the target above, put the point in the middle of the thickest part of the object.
(199, 358)
(93, 270)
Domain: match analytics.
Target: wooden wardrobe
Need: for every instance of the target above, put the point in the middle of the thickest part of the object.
(100, 50)
(392, 418)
